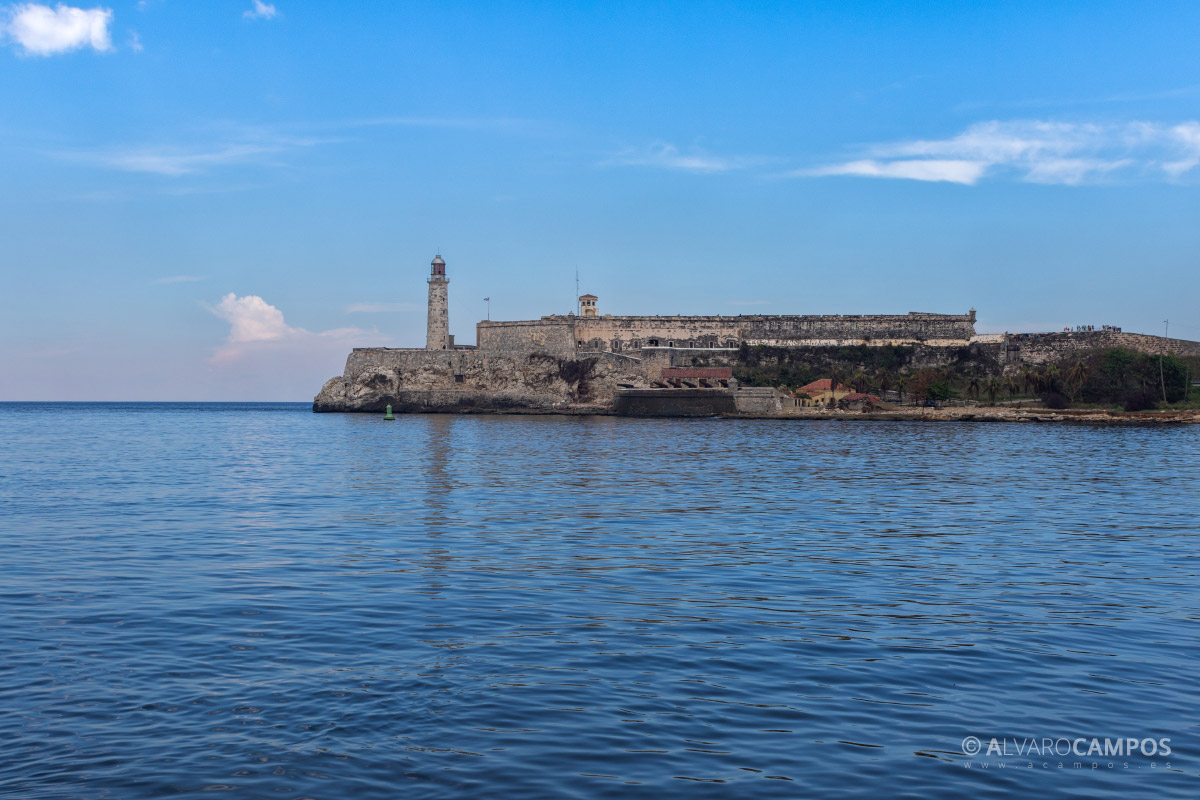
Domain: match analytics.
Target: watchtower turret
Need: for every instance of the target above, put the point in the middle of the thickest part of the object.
(587, 305)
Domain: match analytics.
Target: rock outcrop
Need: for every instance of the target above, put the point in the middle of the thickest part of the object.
(472, 380)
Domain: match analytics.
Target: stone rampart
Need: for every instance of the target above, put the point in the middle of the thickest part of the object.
(1037, 348)
(948, 330)
(674, 402)
(553, 335)
(635, 332)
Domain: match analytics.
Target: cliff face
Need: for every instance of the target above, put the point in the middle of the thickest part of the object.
(472, 380)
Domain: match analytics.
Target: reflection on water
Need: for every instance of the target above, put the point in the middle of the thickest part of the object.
(206, 599)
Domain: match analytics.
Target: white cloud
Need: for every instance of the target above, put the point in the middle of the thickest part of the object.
(261, 10)
(1063, 153)
(921, 170)
(1187, 136)
(135, 42)
(174, 161)
(43, 31)
(256, 326)
(668, 156)
(375, 308)
(251, 319)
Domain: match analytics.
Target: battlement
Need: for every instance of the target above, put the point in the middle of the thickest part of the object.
(608, 333)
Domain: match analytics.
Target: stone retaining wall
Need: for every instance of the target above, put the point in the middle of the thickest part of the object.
(1037, 348)
(555, 335)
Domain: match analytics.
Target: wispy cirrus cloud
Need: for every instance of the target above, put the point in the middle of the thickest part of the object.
(230, 145)
(667, 156)
(1063, 153)
(40, 30)
(952, 171)
(260, 10)
(178, 160)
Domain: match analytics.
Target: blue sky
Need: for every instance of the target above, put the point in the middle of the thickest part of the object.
(216, 200)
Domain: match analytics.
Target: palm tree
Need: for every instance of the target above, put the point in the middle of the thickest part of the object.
(835, 380)
(885, 380)
(973, 387)
(1028, 378)
(991, 386)
(859, 381)
(1050, 374)
(1077, 376)
(1011, 386)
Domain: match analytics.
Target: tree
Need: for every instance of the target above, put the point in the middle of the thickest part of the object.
(1028, 378)
(1011, 386)
(885, 379)
(992, 386)
(1077, 376)
(835, 379)
(973, 386)
(1050, 374)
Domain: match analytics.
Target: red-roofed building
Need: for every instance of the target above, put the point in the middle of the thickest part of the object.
(857, 401)
(822, 392)
(697, 377)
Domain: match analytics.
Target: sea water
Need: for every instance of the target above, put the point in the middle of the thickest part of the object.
(258, 601)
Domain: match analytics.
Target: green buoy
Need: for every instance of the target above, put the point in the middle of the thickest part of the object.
(388, 415)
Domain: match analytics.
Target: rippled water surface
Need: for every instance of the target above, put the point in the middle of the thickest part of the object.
(259, 601)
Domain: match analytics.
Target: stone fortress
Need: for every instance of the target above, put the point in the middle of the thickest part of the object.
(582, 362)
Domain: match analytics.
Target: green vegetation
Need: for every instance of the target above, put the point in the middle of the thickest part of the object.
(869, 369)
(1136, 380)
(1112, 377)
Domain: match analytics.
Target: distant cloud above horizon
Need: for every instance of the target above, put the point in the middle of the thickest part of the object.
(44, 31)
(1060, 153)
(668, 156)
(255, 323)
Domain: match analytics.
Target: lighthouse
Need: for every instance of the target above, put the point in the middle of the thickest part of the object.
(437, 330)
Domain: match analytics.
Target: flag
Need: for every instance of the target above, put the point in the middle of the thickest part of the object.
(487, 299)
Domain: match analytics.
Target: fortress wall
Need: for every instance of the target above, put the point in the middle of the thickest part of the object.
(1036, 348)
(552, 335)
(624, 333)
(365, 360)
(942, 329)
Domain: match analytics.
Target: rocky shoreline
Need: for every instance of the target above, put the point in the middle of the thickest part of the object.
(996, 414)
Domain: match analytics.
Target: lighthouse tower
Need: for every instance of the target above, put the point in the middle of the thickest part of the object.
(437, 331)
